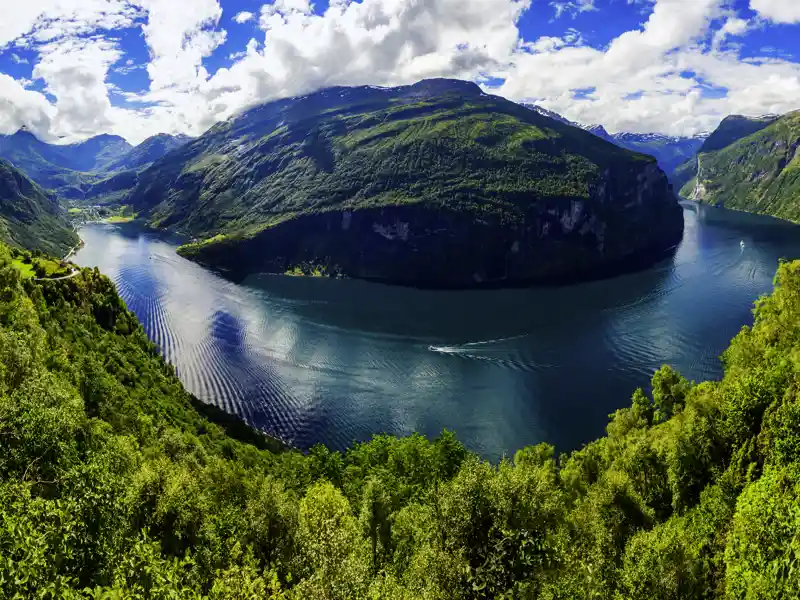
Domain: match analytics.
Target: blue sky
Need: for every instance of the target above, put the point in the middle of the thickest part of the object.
(74, 68)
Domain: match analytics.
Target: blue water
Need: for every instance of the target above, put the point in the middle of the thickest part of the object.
(333, 361)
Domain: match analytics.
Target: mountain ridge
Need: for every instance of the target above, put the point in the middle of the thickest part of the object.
(73, 170)
(353, 180)
(669, 151)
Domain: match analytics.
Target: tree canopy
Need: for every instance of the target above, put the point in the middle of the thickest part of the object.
(114, 485)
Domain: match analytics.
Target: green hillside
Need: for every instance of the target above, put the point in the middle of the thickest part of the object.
(28, 218)
(760, 173)
(113, 485)
(431, 183)
(733, 128)
(730, 130)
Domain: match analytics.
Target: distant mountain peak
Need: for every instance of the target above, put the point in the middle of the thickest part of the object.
(549, 113)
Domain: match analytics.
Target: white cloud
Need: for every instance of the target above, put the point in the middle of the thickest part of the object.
(780, 11)
(20, 107)
(733, 26)
(74, 71)
(18, 59)
(679, 72)
(244, 17)
(572, 7)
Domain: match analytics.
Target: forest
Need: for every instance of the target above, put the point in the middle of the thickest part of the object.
(116, 484)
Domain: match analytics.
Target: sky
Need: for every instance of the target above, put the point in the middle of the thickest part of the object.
(71, 69)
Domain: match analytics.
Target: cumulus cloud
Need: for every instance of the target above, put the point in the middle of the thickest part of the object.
(244, 17)
(780, 11)
(680, 72)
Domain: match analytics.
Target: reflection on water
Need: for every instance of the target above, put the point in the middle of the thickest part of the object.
(332, 361)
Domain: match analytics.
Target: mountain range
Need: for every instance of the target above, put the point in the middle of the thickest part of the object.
(86, 170)
(669, 151)
(387, 183)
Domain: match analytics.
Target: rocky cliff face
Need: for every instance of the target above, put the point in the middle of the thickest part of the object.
(616, 228)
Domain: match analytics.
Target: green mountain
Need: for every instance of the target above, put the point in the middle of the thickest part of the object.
(146, 153)
(49, 165)
(731, 129)
(759, 173)
(30, 219)
(115, 483)
(431, 184)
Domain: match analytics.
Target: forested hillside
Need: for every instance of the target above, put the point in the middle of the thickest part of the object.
(759, 173)
(112, 485)
(29, 218)
(730, 130)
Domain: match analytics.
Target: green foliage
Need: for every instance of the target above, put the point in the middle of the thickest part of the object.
(113, 485)
(28, 218)
(759, 173)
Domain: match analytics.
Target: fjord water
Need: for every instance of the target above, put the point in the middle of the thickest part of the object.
(333, 361)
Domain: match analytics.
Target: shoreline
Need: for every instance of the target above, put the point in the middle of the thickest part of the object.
(616, 268)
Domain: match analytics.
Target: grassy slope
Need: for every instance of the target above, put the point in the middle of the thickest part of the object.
(459, 149)
(113, 485)
(760, 173)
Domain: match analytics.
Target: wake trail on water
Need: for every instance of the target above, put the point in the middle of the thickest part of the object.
(469, 347)
(487, 351)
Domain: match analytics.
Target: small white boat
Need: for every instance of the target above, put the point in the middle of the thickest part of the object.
(742, 244)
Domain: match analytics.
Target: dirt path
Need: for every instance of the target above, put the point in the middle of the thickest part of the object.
(75, 271)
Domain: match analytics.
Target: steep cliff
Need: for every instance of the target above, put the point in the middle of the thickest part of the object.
(28, 218)
(431, 184)
(730, 130)
(759, 173)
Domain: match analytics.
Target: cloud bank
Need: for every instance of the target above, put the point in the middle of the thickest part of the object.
(680, 72)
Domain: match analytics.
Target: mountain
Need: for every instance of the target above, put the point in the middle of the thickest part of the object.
(669, 151)
(759, 173)
(28, 218)
(96, 153)
(49, 165)
(730, 130)
(78, 171)
(147, 152)
(433, 184)
(600, 132)
(733, 128)
(549, 113)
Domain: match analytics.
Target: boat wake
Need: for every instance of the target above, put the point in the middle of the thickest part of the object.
(494, 351)
(471, 347)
